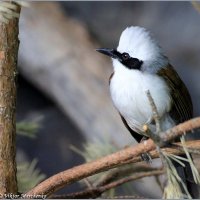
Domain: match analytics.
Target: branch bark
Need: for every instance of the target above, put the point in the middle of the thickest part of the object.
(8, 69)
(128, 155)
(96, 192)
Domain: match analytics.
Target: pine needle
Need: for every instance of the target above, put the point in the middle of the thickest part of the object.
(173, 190)
(99, 148)
(177, 159)
(28, 175)
(28, 129)
(8, 10)
(96, 149)
(195, 172)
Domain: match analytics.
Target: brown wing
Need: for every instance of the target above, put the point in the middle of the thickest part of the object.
(111, 77)
(182, 108)
(137, 136)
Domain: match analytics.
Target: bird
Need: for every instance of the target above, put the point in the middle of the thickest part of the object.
(140, 65)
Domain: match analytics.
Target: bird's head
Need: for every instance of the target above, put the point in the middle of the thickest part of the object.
(137, 50)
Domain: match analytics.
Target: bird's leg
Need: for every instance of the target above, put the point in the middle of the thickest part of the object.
(145, 156)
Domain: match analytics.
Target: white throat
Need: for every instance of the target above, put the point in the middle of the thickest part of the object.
(128, 92)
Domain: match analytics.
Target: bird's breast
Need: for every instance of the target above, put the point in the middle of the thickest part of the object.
(128, 92)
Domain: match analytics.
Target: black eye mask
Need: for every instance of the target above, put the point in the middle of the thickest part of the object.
(132, 63)
(129, 62)
(124, 58)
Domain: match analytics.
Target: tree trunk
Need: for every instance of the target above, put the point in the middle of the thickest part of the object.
(8, 62)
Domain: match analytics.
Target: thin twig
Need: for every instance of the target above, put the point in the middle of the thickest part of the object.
(128, 155)
(181, 129)
(157, 178)
(126, 197)
(122, 172)
(156, 116)
(96, 192)
(133, 177)
(88, 183)
(165, 158)
(190, 149)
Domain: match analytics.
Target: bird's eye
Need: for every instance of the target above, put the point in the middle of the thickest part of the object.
(125, 56)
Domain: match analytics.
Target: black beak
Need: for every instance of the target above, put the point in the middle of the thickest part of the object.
(110, 52)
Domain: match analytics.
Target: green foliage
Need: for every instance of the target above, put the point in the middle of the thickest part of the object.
(97, 149)
(94, 150)
(173, 190)
(8, 10)
(28, 175)
(195, 172)
(28, 129)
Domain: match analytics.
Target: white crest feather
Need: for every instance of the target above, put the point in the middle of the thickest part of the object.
(138, 42)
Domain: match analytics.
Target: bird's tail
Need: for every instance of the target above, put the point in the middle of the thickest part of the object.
(185, 173)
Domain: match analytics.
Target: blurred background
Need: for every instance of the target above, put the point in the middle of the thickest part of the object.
(63, 81)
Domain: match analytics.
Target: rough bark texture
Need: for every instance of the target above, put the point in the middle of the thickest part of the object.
(8, 62)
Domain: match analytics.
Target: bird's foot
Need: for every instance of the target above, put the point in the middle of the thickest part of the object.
(146, 157)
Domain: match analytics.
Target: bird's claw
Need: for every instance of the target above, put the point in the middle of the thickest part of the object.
(146, 157)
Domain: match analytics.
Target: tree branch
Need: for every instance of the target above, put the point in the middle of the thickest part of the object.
(156, 116)
(96, 192)
(128, 155)
(158, 141)
(121, 172)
